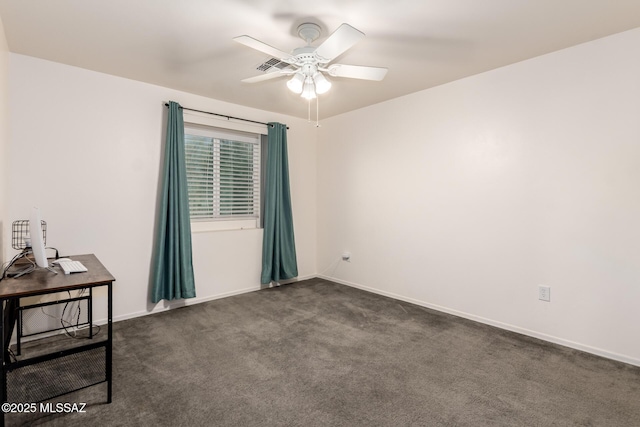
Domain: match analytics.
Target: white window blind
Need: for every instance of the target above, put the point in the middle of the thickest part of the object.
(223, 174)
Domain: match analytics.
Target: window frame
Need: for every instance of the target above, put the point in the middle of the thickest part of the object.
(258, 134)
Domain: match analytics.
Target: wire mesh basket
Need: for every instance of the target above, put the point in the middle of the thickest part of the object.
(20, 234)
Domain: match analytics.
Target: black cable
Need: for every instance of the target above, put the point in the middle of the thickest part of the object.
(9, 264)
(79, 310)
(62, 319)
(49, 247)
(77, 319)
(23, 254)
(62, 316)
(12, 355)
(82, 291)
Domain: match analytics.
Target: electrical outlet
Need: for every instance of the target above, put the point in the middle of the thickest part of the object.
(346, 256)
(544, 293)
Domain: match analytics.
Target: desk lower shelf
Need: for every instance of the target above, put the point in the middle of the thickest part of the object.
(44, 377)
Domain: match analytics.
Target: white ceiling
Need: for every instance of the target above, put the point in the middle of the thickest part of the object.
(187, 44)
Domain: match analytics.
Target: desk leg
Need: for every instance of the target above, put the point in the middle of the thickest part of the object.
(109, 340)
(9, 312)
(90, 313)
(19, 328)
(4, 305)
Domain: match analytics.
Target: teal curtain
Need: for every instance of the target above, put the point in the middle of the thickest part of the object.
(278, 245)
(172, 268)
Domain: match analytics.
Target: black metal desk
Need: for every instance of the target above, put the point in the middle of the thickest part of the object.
(46, 384)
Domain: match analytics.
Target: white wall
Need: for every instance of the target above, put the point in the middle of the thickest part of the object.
(86, 150)
(468, 196)
(464, 197)
(4, 138)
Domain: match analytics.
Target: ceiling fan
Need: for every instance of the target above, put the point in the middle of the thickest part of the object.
(307, 64)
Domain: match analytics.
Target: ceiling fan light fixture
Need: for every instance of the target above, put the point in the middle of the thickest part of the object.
(322, 83)
(308, 92)
(309, 66)
(296, 83)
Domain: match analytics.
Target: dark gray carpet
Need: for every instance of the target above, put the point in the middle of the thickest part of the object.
(317, 353)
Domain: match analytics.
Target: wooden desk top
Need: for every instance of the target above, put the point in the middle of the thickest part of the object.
(42, 281)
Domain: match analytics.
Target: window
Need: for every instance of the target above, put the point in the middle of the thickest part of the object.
(223, 176)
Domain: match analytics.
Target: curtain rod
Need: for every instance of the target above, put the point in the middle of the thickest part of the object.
(223, 115)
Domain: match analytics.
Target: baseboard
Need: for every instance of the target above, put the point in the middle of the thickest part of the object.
(198, 300)
(298, 279)
(183, 303)
(550, 338)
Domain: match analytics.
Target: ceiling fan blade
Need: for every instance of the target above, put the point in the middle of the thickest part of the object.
(263, 47)
(338, 42)
(357, 72)
(269, 76)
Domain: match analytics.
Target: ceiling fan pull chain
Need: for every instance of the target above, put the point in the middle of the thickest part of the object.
(309, 110)
(317, 111)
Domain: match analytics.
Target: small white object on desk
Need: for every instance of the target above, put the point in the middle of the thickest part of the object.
(72, 267)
